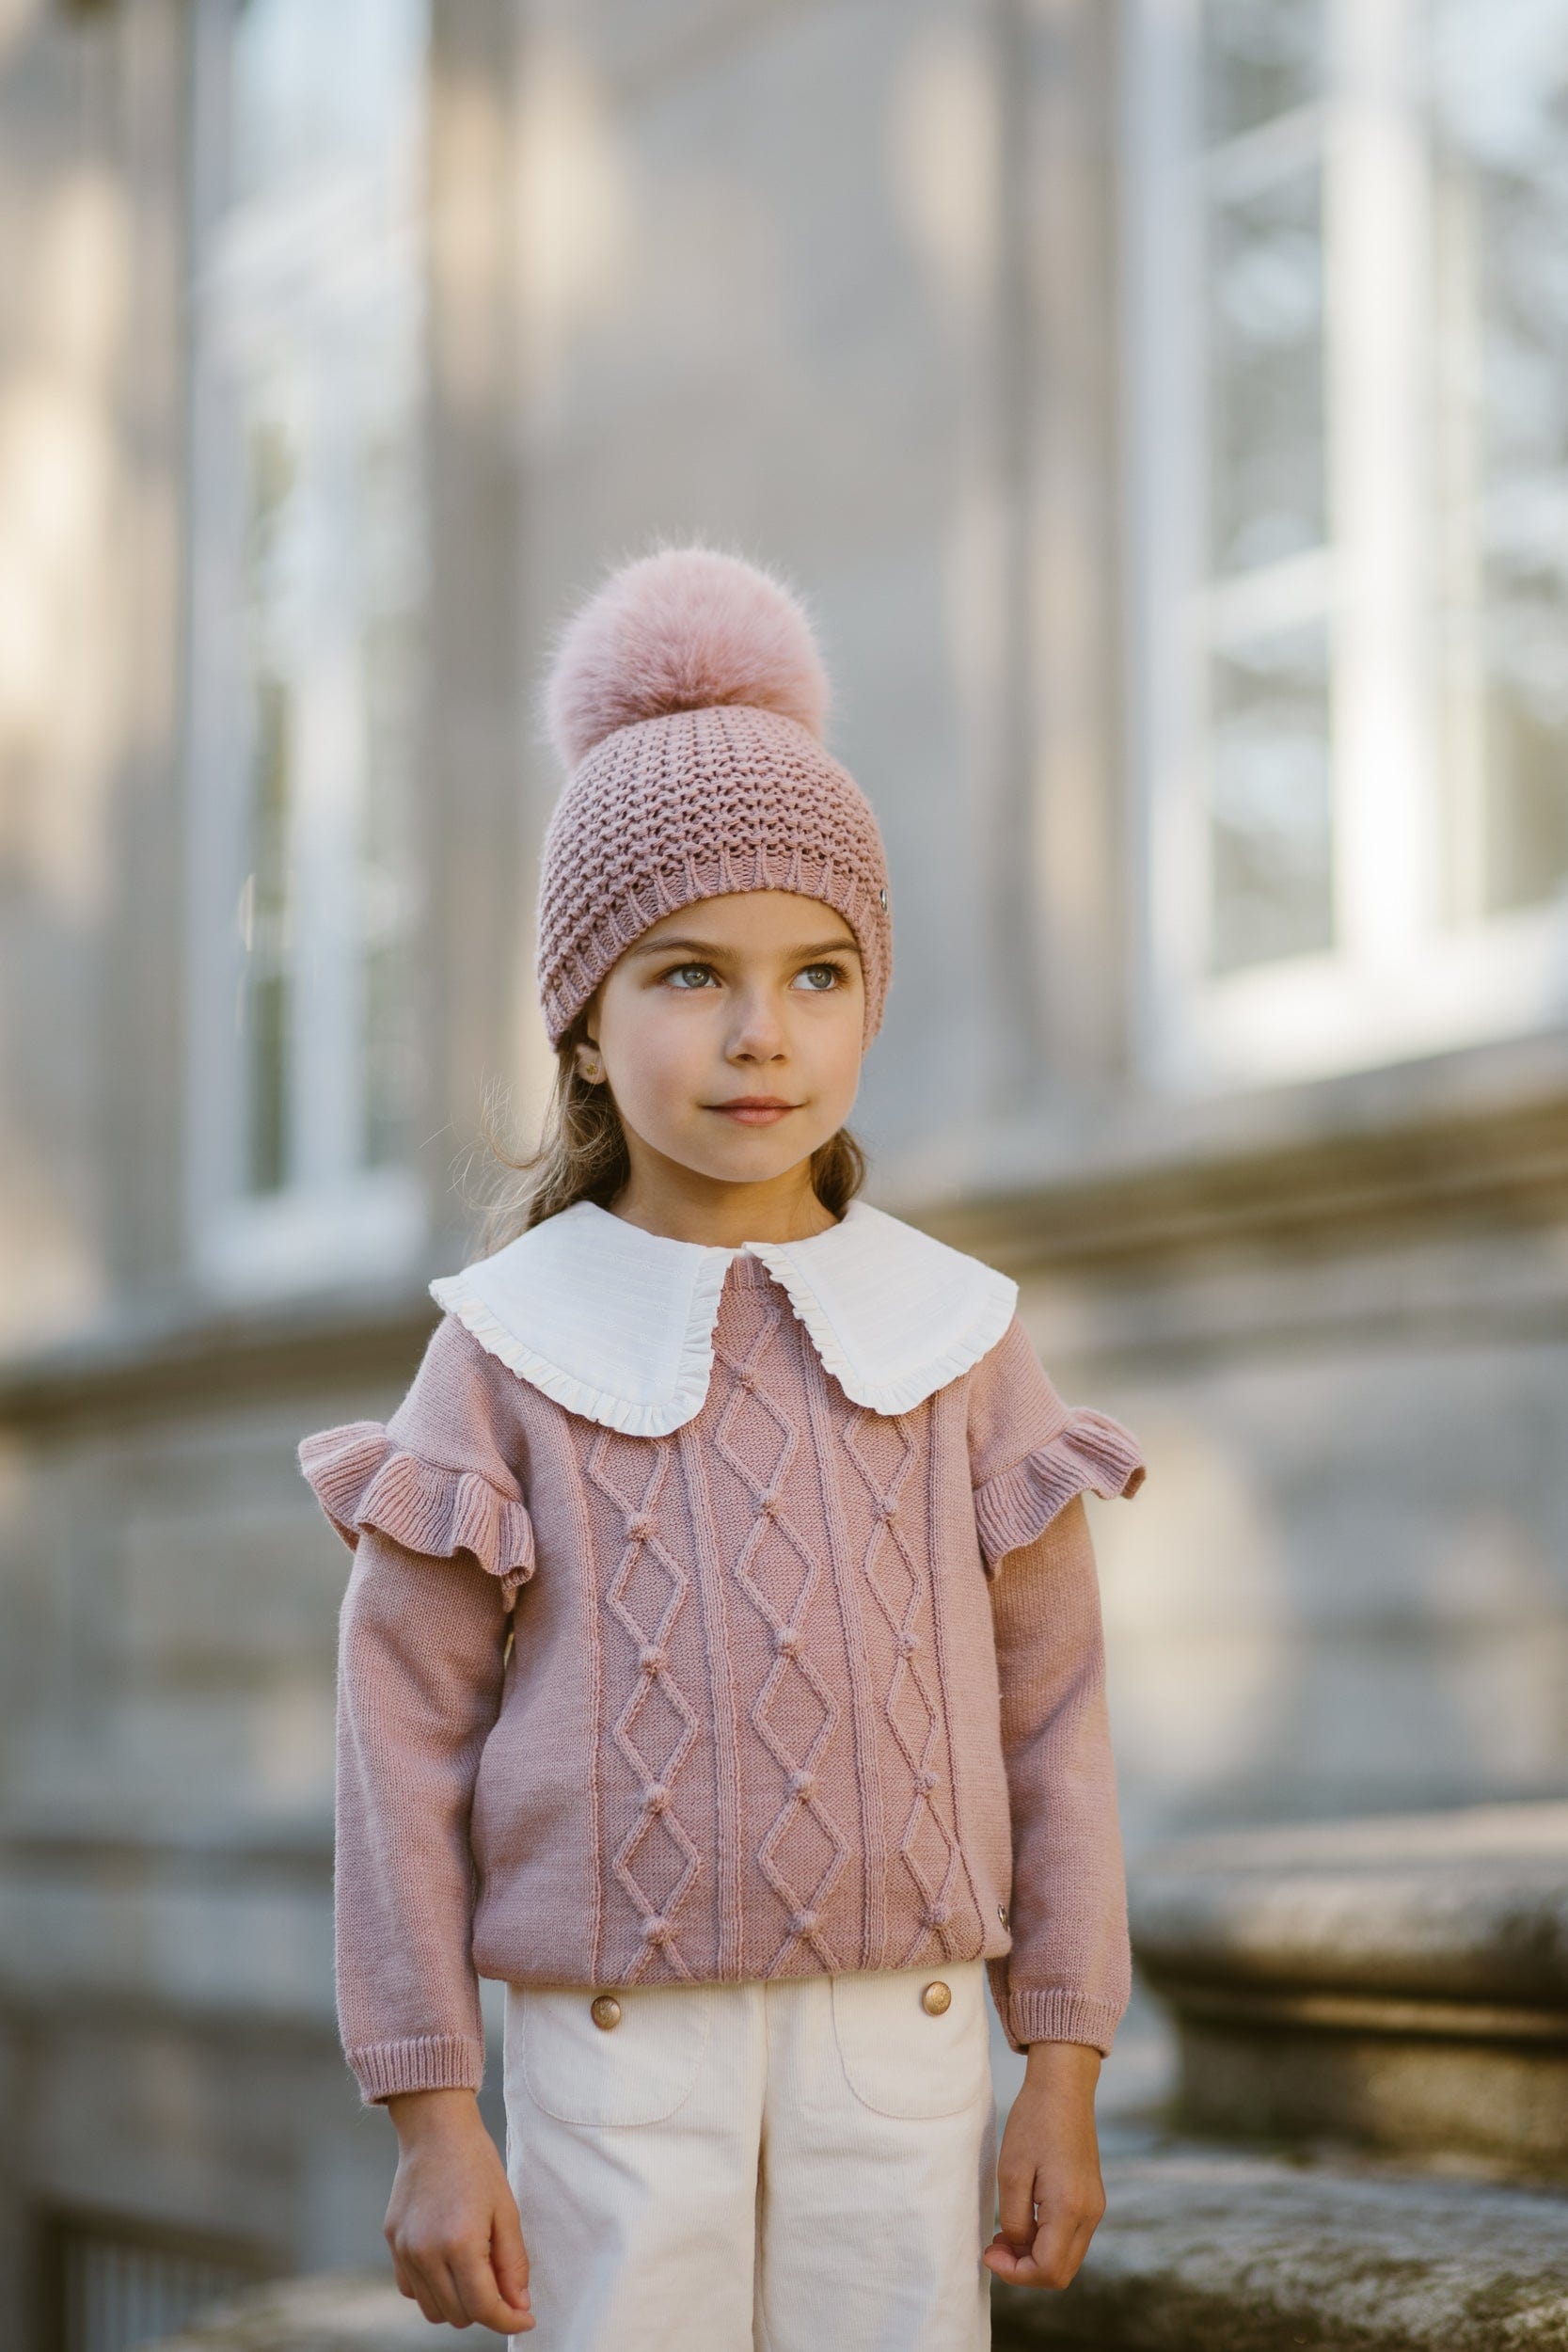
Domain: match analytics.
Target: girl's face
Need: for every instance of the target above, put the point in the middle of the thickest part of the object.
(753, 997)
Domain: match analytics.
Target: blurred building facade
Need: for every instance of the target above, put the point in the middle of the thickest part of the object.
(1164, 407)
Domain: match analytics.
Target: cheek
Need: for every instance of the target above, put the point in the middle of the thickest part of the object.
(655, 1046)
(834, 1048)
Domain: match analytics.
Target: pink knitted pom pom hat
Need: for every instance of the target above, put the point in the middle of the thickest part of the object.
(687, 698)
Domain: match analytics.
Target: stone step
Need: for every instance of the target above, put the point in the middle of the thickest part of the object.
(335, 2312)
(1202, 2250)
(1205, 2250)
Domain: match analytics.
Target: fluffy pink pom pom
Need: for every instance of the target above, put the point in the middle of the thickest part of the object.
(681, 630)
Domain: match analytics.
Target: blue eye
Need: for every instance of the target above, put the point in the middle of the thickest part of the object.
(677, 969)
(835, 973)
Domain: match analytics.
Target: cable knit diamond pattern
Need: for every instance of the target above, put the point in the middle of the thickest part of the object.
(773, 1528)
(661, 1818)
(900, 1591)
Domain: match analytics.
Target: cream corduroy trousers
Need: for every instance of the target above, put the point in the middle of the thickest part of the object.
(797, 2165)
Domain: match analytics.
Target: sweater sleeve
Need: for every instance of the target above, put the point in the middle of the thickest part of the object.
(1067, 1975)
(434, 1516)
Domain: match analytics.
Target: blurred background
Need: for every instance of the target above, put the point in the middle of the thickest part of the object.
(1164, 405)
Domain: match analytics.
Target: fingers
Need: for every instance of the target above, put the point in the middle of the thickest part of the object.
(408, 2285)
(1016, 2177)
(1053, 2262)
(435, 2288)
(1048, 2251)
(414, 2282)
(456, 2284)
(448, 2295)
(509, 2255)
(481, 2299)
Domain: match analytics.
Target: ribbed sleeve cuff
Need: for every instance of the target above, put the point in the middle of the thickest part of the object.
(432, 2061)
(1051, 2013)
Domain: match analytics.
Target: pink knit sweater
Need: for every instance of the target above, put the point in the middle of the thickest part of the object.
(798, 1686)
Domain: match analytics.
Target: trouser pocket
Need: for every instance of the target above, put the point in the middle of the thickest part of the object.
(907, 2052)
(638, 2067)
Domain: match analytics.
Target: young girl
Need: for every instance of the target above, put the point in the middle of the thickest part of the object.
(720, 1661)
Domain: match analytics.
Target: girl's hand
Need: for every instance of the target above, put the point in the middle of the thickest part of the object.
(453, 2222)
(1052, 2198)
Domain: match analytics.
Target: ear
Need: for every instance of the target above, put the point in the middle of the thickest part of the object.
(588, 1017)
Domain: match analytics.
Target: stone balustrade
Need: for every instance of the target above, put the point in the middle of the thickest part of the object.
(1398, 1984)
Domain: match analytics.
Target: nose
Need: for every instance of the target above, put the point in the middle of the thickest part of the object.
(758, 1033)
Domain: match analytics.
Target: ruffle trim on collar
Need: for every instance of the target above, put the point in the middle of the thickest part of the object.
(895, 1392)
(617, 1324)
(1091, 1450)
(363, 1478)
(635, 1418)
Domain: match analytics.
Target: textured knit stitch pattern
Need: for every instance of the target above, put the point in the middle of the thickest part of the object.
(799, 1687)
(690, 805)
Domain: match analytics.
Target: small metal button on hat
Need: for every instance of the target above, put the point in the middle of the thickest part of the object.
(936, 1997)
(606, 2010)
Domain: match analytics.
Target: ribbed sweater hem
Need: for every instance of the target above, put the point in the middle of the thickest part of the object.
(432, 2061)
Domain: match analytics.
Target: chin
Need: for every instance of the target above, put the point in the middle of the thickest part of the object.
(756, 1168)
(755, 1165)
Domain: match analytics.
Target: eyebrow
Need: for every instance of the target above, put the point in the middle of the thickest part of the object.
(705, 948)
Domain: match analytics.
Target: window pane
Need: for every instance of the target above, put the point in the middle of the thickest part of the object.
(1260, 58)
(390, 653)
(272, 536)
(1266, 372)
(321, 88)
(389, 576)
(267, 912)
(1270, 834)
(314, 315)
(1500, 166)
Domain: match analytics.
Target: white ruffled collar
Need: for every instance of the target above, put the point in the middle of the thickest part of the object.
(617, 1324)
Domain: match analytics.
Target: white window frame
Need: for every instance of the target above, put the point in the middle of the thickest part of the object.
(1396, 984)
(335, 1221)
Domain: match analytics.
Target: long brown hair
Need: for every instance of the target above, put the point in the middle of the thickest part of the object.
(581, 1155)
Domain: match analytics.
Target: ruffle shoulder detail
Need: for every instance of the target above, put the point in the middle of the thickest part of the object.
(1089, 1450)
(363, 1478)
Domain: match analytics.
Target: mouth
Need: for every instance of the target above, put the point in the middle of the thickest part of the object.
(755, 1110)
